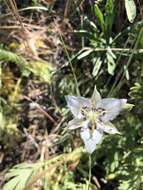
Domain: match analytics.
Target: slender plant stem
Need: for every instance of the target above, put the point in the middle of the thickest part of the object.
(89, 176)
(118, 74)
(72, 69)
(68, 57)
(130, 58)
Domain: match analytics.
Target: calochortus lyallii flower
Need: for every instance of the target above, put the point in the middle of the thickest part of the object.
(93, 117)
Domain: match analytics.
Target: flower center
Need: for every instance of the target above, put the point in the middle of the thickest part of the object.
(92, 114)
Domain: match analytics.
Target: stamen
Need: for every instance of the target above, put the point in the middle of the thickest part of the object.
(101, 111)
(85, 110)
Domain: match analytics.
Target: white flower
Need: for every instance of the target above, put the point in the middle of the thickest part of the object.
(93, 116)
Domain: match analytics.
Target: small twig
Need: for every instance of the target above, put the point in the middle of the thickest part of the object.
(58, 126)
(42, 8)
(31, 138)
(41, 109)
(67, 8)
(9, 27)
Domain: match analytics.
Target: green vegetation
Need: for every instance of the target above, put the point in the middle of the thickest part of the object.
(51, 49)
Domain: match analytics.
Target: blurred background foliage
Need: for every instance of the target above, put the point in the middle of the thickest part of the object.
(51, 48)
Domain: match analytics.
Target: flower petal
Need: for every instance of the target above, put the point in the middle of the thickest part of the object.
(95, 97)
(76, 103)
(107, 127)
(85, 134)
(91, 140)
(112, 107)
(77, 123)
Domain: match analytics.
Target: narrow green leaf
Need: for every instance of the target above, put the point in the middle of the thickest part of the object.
(83, 33)
(93, 25)
(100, 18)
(109, 18)
(110, 63)
(130, 10)
(126, 72)
(97, 66)
(76, 56)
(111, 53)
(85, 53)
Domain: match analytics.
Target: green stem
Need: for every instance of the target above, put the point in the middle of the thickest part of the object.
(89, 176)
(72, 69)
(119, 85)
